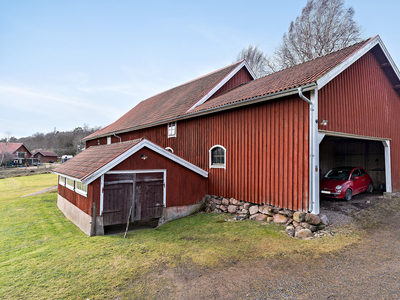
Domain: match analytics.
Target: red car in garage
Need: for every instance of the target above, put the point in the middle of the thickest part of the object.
(345, 182)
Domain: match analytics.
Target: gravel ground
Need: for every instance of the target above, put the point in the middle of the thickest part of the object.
(370, 270)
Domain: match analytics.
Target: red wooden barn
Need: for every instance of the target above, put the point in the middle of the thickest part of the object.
(269, 140)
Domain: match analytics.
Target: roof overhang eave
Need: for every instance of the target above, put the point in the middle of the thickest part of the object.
(67, 176)
(92, 176)
(292, 91)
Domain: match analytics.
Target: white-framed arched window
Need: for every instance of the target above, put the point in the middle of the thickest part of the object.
(217, 156)
(169, 149)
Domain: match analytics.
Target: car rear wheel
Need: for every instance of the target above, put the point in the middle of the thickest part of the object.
(348, 195)
(370, 187)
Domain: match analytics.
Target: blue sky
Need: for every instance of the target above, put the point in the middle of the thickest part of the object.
(64, 64)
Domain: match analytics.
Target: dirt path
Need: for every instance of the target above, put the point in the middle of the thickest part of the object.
(42, 191)
(370, 270)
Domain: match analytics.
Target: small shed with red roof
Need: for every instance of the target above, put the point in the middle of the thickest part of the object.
(133, 180)
(46, 156)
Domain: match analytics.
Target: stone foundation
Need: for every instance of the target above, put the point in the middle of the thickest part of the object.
(298, 224)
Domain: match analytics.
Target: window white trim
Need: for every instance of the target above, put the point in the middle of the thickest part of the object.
(81, 188)
(61, 180)
(108, 140)
(169, 149)
(217, 166)
(71, 187)
(22, 156)
(171, 129)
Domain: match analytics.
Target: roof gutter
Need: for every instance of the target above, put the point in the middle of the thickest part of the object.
(300, 90)
(262, 98)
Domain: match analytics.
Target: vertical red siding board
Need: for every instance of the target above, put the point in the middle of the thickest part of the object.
(295, 154)
(285, 149)
(290, 154)
(255, 153)
(263, 156)
(275, 158)
(245, 156)
(267, 144)
(281, 152)
(277, 153)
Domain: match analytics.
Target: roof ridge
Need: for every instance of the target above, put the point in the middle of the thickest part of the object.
(193, 80)
(114, 144)
(320, 57)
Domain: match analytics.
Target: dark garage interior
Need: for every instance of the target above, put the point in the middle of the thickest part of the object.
(369, 154)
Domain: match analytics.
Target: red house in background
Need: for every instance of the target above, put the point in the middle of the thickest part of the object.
(266, 140)
(46, 156)
(20, 153)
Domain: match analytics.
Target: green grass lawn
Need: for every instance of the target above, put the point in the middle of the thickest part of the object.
(44, 256)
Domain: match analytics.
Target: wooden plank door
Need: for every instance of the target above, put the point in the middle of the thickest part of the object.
(118, 196)
(149, 196)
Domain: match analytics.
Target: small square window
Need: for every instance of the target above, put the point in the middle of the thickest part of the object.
(62, 180)
(172, 129)
(80, 188)
(70, 184)
(108, 140)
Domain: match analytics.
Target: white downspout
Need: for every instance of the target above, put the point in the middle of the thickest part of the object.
(120, 139)
(311, 163)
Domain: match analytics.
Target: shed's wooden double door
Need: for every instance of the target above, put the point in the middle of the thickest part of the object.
(143, 191)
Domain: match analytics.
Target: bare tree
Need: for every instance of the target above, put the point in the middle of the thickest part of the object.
(256, 60)
(3, 151)
(8, 157)
(324, 26)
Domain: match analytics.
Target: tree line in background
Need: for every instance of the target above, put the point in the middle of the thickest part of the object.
(324, 26)
(61, 142)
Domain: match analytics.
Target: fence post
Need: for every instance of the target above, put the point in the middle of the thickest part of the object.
(93, 229)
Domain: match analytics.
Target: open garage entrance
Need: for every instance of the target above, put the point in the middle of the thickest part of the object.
(370, 154)
(373, 154)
